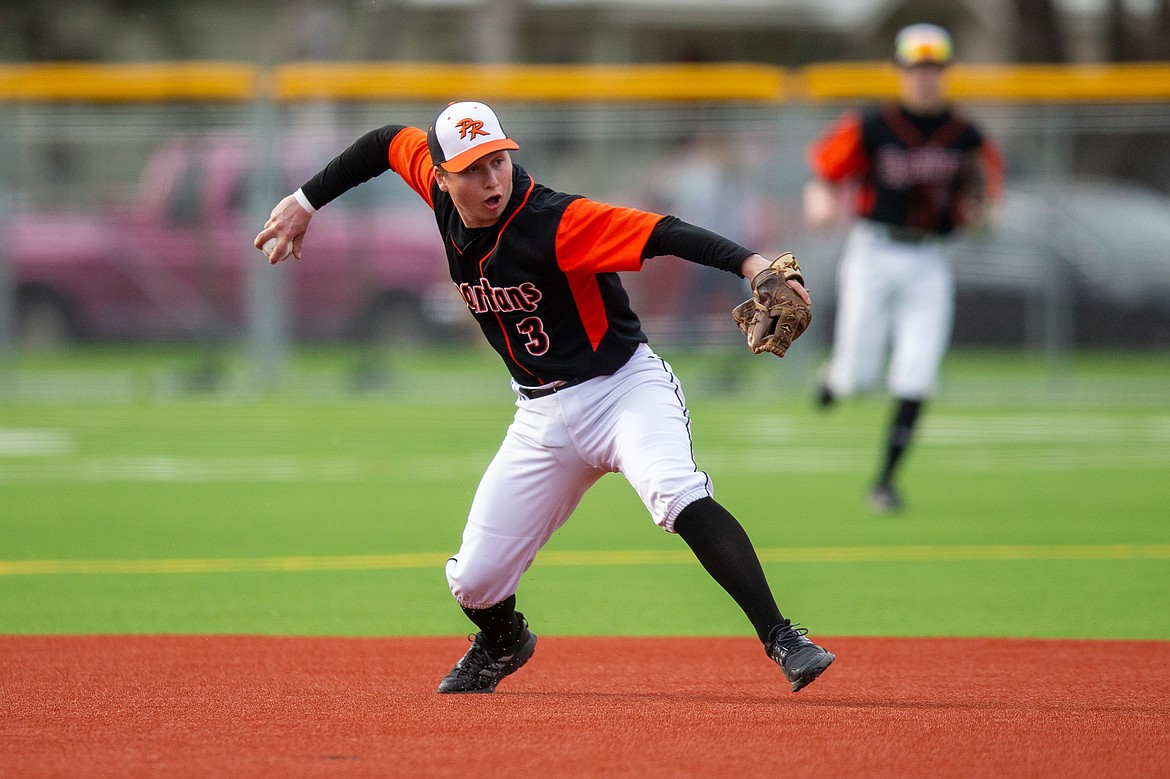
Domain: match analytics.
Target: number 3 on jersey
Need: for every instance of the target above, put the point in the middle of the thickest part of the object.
(537, 339)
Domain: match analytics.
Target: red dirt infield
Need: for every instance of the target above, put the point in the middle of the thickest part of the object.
(225, 706)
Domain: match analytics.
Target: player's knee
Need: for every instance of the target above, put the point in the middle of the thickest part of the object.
(478, 586)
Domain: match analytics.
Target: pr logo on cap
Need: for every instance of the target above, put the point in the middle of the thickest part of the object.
(463, 133)
(470, 129)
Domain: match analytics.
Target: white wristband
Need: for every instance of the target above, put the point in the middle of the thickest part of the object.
(304, 201)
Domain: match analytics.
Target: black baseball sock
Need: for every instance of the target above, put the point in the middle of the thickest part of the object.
(901, 431)
(498, 623)
(724, 549)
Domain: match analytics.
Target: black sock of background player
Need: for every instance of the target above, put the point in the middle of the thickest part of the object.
(898, 439)
(724, 549)
(498, 623)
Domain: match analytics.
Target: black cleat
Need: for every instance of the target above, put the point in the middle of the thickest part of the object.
(824, 397)
(800, 659)
(481, 669)
(884, 499)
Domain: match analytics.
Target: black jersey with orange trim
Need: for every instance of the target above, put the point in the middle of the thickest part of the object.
(542, 285)
(912, 170)
(542, 281)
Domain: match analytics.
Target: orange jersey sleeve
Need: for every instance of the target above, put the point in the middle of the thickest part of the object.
(598, 238)
(839, 153)
(410, 159)
(595, 238)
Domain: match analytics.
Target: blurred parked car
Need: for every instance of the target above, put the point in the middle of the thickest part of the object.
(172, 264)
(1092, 257)
(1085, 262)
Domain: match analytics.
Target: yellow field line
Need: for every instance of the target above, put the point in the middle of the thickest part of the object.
(416, 560)
(224, 564)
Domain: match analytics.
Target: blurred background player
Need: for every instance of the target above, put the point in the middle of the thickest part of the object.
(915, 170)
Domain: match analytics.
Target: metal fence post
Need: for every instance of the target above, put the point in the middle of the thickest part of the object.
(1059, 296)
(267, 318)
(7, 276)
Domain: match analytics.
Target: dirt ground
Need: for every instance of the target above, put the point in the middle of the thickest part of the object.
(225, 706)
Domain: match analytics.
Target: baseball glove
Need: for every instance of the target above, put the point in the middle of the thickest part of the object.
(775, 315)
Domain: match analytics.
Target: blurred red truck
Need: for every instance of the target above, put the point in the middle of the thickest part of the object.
(172, 264)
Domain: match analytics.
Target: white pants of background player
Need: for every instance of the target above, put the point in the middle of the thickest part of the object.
(634, 422)
(892, 298)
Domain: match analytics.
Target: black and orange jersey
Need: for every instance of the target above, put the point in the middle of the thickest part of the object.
(913, 171)
(542, 282)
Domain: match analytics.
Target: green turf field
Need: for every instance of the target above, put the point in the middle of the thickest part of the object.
(142, 493)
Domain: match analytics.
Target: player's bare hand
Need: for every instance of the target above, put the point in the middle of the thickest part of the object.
(800, 290)
(284, 232)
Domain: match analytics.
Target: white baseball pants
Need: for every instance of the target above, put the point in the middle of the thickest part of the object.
(634, 422)
(894, 299)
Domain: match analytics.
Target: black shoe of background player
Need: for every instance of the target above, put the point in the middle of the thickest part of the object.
(825, 397)
(884, 500)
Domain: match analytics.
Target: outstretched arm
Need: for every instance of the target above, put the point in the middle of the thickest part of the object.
(697, 244)
(366, 158)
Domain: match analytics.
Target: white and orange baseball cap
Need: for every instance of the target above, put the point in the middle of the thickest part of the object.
(463, 133)
(923, 44)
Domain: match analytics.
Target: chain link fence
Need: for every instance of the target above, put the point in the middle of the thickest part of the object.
(133, 221)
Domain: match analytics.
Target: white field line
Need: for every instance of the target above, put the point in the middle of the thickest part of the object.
(1033, 442)
(948, 430)
(811, 459)
(206, 470)
(180, 470)
(33, 442)
(428, 560)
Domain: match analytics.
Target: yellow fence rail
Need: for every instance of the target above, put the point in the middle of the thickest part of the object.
(232, 82)
(539, 83)
(129, 83)
(1000, 83)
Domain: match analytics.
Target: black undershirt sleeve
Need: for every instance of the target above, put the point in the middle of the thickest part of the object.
(695, 244)
(367, 157)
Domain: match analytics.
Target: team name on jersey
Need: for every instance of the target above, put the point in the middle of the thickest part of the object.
(900, 168)
(483, 297)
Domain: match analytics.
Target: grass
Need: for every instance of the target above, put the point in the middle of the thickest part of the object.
(326, 502)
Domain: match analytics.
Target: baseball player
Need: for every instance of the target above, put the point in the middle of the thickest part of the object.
(919, 170)
(538, 271)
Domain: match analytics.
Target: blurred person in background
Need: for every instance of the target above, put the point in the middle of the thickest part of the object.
(910, 173)
(700, 186)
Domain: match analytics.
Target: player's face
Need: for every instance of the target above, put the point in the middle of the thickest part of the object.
(922, 88)
(481, 190)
